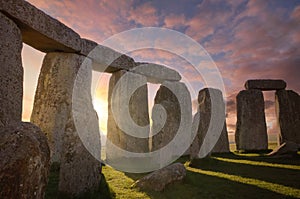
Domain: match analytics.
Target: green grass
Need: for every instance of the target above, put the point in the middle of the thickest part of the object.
(229, 175)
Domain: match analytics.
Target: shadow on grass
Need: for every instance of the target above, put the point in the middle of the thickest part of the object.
(261, 157)
(103, 192)
(215, 178)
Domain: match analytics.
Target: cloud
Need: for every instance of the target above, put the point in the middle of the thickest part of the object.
(144, 14)
(174, 21)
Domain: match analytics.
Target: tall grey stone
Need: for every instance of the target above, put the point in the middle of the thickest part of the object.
(11, 72)
(68, 121)
(121, 130)
(251, 130)
(53, 98)
(203, 119)
(288, 114)
(172, 126)
(25, 161)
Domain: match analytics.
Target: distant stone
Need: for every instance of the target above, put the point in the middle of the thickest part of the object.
(130, 114)
(287, 149)
(63, 110)
(39, 30)
(156, 73)
(251, 130)
(25, 161)
(11, 72)
(217, 139)
(175, 120)
(288, 113)
(158, 180)
(265, 84)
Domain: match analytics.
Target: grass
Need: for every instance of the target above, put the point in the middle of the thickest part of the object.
(229, 175)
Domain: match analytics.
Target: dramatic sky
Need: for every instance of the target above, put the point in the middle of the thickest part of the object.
(246, 39)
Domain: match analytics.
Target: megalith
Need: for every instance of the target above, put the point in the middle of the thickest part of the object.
(288, 114)
(25, 161)
(251, 130)
(265, 84)
(128, 116)
(203, 123)
(11, 72)
(68, 121)
(172, 117)
(156, 73)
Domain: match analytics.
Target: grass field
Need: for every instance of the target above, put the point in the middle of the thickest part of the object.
(229, 175)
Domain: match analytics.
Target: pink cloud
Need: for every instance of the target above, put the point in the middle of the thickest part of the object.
(175, 21)
(144, 14)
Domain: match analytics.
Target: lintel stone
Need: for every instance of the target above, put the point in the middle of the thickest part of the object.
(265, 84)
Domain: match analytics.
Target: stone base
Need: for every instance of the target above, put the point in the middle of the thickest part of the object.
(25, 161)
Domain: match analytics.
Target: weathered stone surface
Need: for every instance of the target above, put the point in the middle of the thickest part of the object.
(175, 99)
(79, 170)
(25, 161)
(11, 72)
(159, 179)
(251, 130)
(64, 118)
(107, 59)
(288, 114)
(39, 30)
(218, 142)
(156, 73)
(53, 97)
(119, 128)
(287, 149)
(265, 84)
(87, 46)
(47, 34)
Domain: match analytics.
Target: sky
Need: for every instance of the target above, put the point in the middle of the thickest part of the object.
(257, 39)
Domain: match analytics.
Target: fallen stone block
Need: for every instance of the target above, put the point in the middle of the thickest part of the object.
(159, 179)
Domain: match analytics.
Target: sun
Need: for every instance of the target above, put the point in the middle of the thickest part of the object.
(101, 107)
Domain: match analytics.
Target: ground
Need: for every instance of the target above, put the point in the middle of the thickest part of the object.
(229, 175)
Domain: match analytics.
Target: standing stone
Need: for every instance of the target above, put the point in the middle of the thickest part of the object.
(288, 114)
(251, 130)
(53, 98)
(169, 101)
(172, 126)
(68, 120)
(11, 72)
(218, 141)
(121, 132)
(25, 161)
